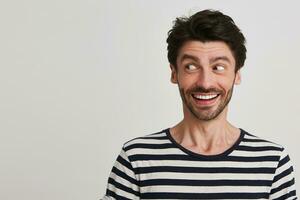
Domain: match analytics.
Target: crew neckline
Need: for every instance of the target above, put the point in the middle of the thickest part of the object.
(216, 156)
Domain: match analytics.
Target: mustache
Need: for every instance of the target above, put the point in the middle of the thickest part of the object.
(204, 90)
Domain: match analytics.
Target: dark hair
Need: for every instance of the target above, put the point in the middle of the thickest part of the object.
(204, 26)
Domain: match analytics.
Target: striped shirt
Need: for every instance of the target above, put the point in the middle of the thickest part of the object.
(157, 167)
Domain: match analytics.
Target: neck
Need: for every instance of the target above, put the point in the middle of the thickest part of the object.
(205, 137)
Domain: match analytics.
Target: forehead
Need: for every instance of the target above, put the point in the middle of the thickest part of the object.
(205, 50)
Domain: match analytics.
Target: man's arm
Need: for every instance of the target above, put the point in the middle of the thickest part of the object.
(122, 181)
(283, 186)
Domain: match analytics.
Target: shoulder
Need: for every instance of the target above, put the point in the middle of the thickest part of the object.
(261, 150)
(252, 139)
(259, 145)
(149, 140)
(150, 145)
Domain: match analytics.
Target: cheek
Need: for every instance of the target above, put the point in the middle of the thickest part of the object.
(223, 84)
(186, 81)
(227, 85)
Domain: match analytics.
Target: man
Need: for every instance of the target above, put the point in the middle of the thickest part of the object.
(203, 156)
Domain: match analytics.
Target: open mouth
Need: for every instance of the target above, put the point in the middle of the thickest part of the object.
(205, 98)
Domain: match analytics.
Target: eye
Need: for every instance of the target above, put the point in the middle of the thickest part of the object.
(219, 68)
(191, 67)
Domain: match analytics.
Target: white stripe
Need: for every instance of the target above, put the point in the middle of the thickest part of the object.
(122, 167)
(283, 179)
(285, 190)
(123, 181)
(205, 176)
(260, 144)
(203, 189)
(208, 164)
(162, 134)
(121, 192)
(147, 141)
(155, 151)
(246, 136)
(253, 153)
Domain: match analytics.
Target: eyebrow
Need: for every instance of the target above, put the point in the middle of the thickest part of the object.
(188, 56)
(224, 58)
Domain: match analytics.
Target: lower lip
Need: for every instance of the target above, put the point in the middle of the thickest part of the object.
(205, 102)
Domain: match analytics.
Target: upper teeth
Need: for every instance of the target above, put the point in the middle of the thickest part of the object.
(198, 96)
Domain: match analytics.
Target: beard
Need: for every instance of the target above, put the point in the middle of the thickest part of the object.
(207, 113)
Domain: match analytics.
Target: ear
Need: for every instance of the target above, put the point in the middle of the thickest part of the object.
(173, 74)
(237, 79)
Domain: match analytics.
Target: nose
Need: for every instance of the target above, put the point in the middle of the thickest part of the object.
(205, 79)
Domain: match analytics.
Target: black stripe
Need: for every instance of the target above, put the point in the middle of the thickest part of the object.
(283, 161)
(285, 196)
(254, 140)
(157, 133)
(170, 145)
(140, 157)
(149, 146)
(114, 195)
(283, 186)
(171, 195)
(264, 148)
(185, 182)
(123, 187)
(151, 135)
(155, 138)
(125, 176)
(124, 162)
(152, 169)
(283, 174)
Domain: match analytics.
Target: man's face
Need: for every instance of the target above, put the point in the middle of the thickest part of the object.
(205, 76)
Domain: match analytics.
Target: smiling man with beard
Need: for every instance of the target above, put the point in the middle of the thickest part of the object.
(203, 156)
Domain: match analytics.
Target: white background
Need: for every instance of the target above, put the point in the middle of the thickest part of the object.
(80, 78)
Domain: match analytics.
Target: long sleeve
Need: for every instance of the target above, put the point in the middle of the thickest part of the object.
(283, 186)
(122, 182)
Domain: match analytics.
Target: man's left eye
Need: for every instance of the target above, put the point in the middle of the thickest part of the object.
(219, 68)
(191, 67)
